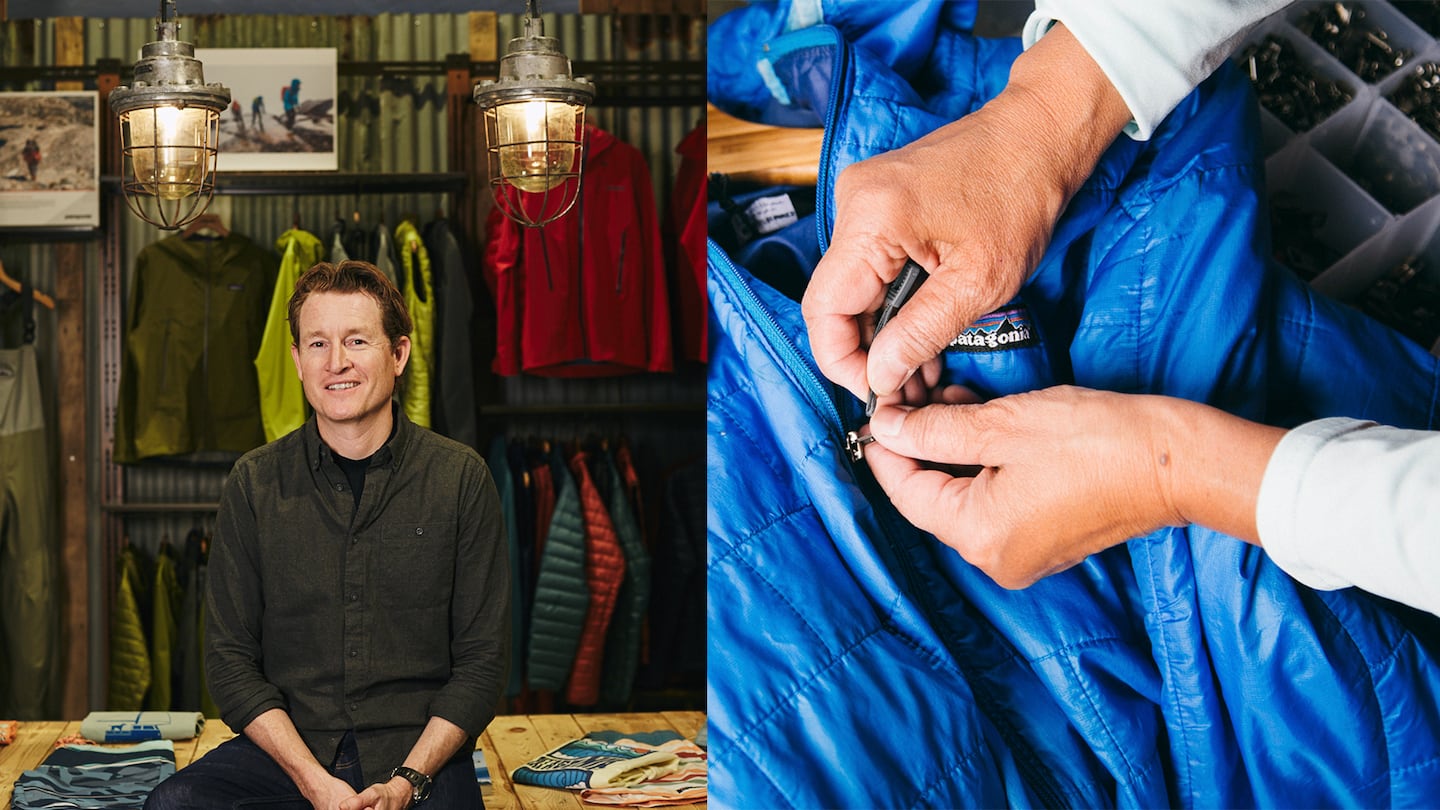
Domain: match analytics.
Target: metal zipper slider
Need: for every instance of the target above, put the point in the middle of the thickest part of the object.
(855, 444)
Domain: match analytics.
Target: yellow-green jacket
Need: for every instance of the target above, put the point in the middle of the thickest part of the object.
(282, 400)
(420, 300)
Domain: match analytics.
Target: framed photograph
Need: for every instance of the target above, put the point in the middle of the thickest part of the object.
(282, 109)
(50, 160)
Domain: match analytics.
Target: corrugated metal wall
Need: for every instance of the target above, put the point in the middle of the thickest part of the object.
(391, 124)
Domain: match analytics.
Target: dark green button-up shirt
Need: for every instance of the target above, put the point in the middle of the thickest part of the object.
(371, 618)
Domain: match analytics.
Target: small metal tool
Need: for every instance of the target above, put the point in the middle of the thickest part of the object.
(911, 277)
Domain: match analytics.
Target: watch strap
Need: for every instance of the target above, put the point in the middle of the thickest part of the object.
(419, 782)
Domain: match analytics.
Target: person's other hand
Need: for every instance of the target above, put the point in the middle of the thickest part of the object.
(393, 794)
(329, 792)
(974, 203)
(1064, 472)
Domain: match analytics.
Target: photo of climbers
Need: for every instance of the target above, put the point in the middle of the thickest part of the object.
(49, 159)
(282, 107)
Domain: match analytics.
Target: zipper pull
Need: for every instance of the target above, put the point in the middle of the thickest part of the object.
(855, 444)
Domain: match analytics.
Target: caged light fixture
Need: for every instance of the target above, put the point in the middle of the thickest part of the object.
(169, 129)
(534, 127)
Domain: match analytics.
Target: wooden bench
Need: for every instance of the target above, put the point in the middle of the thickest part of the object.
(509, 742)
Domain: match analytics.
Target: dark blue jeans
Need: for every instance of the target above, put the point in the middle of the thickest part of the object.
(239, 774)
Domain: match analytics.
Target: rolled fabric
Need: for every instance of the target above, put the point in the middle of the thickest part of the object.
(113, 727)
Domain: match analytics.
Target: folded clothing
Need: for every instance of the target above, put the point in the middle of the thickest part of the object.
(654, 769)
(593, 763)
(91, 776)
(114, 727)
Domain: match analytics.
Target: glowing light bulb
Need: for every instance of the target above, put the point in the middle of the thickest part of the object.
(168, 148)
(537, 142)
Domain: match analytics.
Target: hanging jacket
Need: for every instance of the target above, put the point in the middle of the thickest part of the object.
(499, 465)
(557, 615)
(382, 253)
(185, 662)
(452, 385)
(420, 301)
(194, 321)
(1180, 669)
(164, 630)
(678, 578)
(584, 296)
(604, 572)
(687, 251)
(129, 652)
(282, 398)
(31, 582)
(622, 642)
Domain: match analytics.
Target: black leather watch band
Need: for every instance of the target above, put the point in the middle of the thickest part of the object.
(419, 783)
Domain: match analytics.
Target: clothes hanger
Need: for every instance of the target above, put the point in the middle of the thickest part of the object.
(206, 222)
(44, 300)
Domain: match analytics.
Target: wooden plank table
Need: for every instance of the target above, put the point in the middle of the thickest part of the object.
(509, 742)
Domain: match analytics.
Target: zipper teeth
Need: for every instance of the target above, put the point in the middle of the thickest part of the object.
(780, 342)
(823, 186)
(1028, 763)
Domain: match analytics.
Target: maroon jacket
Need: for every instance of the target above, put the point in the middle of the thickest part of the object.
(687, 215)
(584, 296)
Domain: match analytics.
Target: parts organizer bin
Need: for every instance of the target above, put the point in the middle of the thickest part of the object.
(1356, 195)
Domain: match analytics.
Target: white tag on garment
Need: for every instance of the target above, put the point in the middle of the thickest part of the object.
(770, 214)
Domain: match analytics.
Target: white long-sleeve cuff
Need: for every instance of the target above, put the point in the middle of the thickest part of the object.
(1346, 502)
(1154, 52)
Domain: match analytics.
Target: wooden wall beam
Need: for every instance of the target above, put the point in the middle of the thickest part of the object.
(71, 377)
(69, 47)
(74, 457)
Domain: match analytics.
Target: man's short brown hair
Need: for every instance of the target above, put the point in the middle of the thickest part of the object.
(352, 277)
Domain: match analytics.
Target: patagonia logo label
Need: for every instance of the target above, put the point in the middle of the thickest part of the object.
(1008, 328)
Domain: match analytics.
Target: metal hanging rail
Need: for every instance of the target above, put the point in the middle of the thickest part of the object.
(619, 84)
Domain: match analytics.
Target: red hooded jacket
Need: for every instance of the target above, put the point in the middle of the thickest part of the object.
(584, 296)
(687, 213)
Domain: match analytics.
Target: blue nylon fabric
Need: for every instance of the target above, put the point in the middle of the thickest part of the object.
(855, 661)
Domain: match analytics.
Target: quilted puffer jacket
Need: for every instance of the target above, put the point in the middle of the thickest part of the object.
(855, 661)
(604, 573)
(622, 642)
(562, 596)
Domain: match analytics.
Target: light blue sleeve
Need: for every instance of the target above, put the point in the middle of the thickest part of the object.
(1154, 51)
(1346, 502)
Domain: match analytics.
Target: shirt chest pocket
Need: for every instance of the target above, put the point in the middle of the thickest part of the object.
(414, 566)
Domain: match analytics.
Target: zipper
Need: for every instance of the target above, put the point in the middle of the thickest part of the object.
(888, 522)
(620, 274)
(1031, 767)
(580, 274)
(823, 183)
(810, 385)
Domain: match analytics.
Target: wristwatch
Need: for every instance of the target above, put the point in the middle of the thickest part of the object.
(419, 783)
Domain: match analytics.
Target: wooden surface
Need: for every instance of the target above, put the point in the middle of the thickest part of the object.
(509, 742)
(761, 153)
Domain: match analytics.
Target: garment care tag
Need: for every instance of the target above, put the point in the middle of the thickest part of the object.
(770, 214)
(765, 215)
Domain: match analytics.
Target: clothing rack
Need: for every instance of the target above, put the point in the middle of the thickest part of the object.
(619, 84)
(603, 409)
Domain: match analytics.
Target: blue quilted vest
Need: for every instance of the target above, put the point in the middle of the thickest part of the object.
(855, 661)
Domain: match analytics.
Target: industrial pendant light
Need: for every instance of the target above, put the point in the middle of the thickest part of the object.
(534, 127)
(169, 129)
